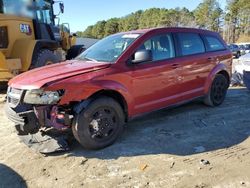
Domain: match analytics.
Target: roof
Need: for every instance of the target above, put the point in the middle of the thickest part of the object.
(143, 31)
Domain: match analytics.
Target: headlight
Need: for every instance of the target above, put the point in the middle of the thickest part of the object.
(39, 96)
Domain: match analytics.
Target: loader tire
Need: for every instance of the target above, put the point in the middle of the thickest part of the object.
(44, 57)
(74, 51)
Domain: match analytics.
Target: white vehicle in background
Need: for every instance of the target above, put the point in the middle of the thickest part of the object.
(241, 75)
(243, 64)
(235, 50)
(246, 46)
(242, 49)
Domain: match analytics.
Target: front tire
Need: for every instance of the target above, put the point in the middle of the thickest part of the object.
(99, 124)
(218, 91)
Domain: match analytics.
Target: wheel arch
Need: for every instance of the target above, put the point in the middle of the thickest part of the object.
(117, 96)
(226, 74)
(219, 69)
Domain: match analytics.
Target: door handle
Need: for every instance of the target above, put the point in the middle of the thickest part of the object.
(175, 65)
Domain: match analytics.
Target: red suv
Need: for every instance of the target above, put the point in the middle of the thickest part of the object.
(120, 77)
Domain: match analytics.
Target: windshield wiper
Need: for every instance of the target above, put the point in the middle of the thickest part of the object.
(90, 59)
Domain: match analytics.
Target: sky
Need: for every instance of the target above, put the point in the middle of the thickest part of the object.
(82, 13)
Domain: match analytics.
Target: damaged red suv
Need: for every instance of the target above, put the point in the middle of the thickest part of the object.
(120, 77)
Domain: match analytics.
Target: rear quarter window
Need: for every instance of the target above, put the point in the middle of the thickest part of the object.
(214, 44)
(190, 43)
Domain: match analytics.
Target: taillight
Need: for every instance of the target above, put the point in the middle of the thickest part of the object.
(4, 40)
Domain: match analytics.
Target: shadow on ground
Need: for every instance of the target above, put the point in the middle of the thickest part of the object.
(9, 178)
(186, 130)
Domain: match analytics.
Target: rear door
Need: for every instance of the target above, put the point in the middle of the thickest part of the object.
(216, 50)
(194, 64)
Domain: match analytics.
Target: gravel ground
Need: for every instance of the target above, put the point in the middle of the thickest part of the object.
(189, 146)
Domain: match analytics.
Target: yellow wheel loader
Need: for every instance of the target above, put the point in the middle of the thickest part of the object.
(29, 37)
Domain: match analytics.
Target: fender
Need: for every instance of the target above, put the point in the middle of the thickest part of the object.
(2, 62)
(219, 67)
(5, 75)
(25, 49)
(117, 87)
(81, 91)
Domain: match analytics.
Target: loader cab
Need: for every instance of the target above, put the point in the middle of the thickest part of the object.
(29, 36)
(40, 11)
(44, 21)
(44, 11)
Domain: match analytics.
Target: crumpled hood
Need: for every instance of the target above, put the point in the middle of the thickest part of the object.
(37, 78)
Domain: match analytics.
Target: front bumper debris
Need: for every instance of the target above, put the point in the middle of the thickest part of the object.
(29, 130)
(46, 143)
(24, 119)
(45, 129)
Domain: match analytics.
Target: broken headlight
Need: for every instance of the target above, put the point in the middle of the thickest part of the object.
(39, 96)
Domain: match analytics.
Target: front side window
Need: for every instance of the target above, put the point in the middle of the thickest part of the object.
(108, 49)
(161, 47)
(214, 43)
(190, 43)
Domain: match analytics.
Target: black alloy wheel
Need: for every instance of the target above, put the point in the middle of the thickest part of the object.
(99, 124)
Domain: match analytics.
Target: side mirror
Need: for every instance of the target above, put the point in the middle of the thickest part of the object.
(61, 5)
(142, 56)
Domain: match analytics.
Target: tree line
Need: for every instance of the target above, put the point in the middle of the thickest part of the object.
(233, 23)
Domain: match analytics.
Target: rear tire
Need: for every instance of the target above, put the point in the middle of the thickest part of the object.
(44, 57)
(218, 91)
(99, 124)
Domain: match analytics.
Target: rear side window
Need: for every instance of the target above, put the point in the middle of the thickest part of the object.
(214, 43)
(190, 43)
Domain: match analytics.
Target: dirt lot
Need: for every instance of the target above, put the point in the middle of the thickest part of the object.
(163, 149)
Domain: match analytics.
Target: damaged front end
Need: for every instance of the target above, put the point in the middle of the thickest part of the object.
(41, 123)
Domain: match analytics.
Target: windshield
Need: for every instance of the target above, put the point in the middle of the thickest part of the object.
(109, 49)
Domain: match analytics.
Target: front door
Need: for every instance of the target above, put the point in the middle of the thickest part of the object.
(155, 83)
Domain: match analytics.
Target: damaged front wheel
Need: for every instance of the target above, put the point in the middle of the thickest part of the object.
(100, 124)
